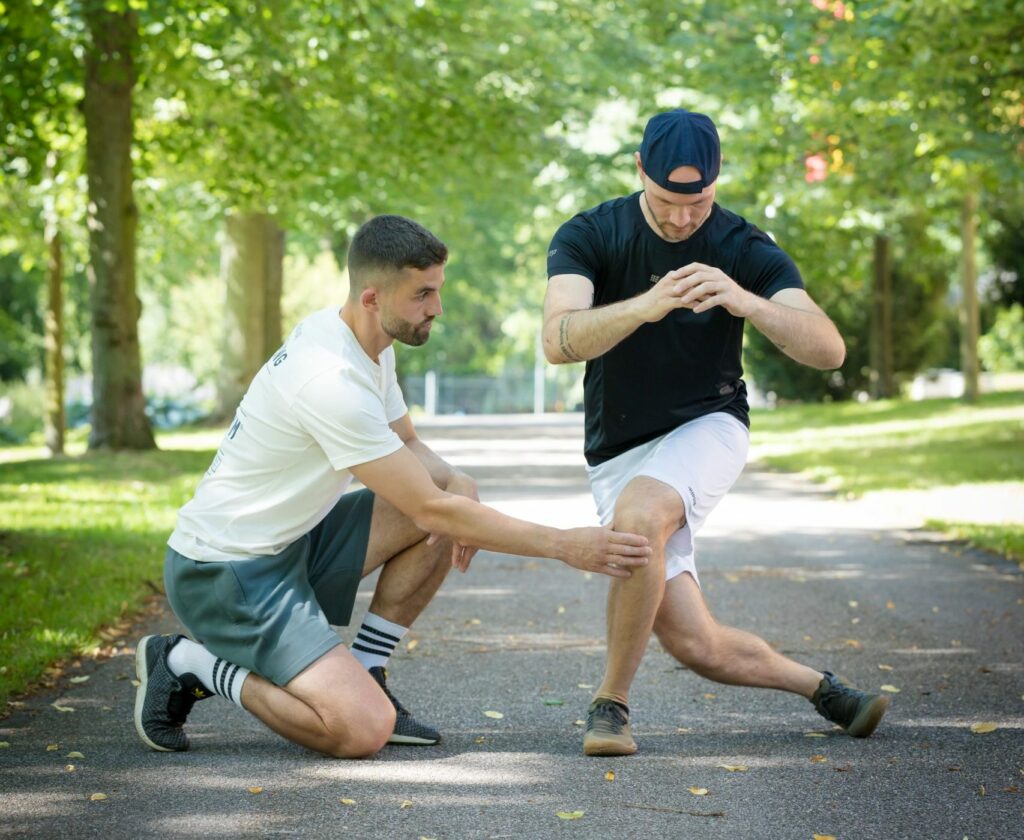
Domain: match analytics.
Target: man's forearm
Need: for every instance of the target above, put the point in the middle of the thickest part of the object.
(806, 337)
(583, 334)
(440, 470)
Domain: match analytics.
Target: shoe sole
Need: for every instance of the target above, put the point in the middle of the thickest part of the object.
(413, 741)
(868, 719)
(142, 674)
(607, 748)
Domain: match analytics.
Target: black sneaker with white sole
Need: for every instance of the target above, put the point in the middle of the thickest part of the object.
(163, 700)
(856, 711)
(408, 730)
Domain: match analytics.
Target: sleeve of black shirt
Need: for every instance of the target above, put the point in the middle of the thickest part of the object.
(574, 249)
(765, 268)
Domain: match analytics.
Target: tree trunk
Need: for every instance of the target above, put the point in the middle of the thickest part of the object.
(118, 407)
(881, 321)
(53, 416)
(252, 265)
(969, 317)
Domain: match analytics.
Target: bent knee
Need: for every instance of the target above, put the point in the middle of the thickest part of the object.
(364, 735)
(649, 507)
(697, 651)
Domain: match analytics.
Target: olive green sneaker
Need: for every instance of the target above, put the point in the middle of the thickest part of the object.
(856, 711)
(607, 731)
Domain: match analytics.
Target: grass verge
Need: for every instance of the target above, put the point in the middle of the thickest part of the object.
(1007, 540)
(81, 545)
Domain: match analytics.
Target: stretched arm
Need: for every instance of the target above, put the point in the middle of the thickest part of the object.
(790, 319)
(445, 476)
(404, 481)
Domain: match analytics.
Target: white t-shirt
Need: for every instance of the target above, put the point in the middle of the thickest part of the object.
(318, 407)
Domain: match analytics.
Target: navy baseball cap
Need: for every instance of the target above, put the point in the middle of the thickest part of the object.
(681, 138)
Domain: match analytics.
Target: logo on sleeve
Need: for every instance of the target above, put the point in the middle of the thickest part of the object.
(552, 252)
(654, 279)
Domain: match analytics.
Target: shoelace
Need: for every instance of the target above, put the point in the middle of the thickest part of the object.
(609, 714)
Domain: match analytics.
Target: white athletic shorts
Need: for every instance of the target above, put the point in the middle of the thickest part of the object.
(700, 460)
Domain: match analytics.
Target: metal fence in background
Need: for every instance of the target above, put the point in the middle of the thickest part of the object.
(513, 392)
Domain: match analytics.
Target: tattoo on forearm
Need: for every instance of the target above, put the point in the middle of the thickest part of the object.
(563, 340)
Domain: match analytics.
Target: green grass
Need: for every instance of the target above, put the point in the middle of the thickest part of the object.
(1007, 540)
(892, 445)
(81, 545)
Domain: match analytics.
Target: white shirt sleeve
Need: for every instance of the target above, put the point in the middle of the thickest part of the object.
(346, 416)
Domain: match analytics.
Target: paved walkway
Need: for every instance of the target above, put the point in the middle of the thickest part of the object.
(524, 639)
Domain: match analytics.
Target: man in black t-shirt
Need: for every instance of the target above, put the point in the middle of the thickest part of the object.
(652, 291)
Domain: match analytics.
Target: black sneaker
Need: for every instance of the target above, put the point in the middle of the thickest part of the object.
(607, 731)
(408, 730)
(163, 700)
(856, 711)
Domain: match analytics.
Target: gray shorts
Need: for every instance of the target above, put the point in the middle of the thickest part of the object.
(273, 614)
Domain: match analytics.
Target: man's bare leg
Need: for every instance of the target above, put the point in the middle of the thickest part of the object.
(653, 509)
(688, 631)
(334, 707)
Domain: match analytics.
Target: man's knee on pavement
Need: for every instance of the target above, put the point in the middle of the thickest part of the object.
(359, 733)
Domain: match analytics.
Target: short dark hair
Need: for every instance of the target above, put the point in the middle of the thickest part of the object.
(390, 243)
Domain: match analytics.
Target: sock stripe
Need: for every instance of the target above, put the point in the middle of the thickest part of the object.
(231, 681)
(362, 637)
(364, 649)
(222, 678)
(376, 632)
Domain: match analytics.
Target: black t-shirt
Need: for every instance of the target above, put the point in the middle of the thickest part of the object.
(686, 365)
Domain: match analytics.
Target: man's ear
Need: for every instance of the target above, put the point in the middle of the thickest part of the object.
(639, 165)
(369, 298)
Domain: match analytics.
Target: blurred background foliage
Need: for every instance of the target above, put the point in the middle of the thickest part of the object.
(841, 123)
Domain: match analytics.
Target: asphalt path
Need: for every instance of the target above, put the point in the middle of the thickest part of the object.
(522, 639)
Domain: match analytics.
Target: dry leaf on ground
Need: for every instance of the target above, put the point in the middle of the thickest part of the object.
(698, 791)
(346, 801)
(61, 708)
(412, 644)
(569, 815)
(70, 768)
(983, 728)
(74, 754)
(610, 776)
(815, 735)
(818, 759)
(406, 803)
(78, 680)
(885, 667)
(890, 688)
(52, 747)
(824, 837)
(255, 790)
(5, 745)
(98, 797)
(492, 714)
(734, 768)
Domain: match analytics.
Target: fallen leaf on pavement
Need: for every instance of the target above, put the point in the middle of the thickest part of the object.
(52, 747)
(983, 728)
(853, 643)
(554, 702)
(98, 797)
(569, 815)
(412, 644)
(815, 735)
(495, 715)
(70, 768)
(818, 759)
(684, 730)
(5, 745)
(734, 768)
(853, 604)
(579, 723)
(346, 801)
(610, 776)
(890, 688)
(885, 667)
(77, 680)
(255, 790)
(406, 803)
(61, 708)
(697, 791)
(824, 837)
(584, 685)
(479, 739)
(74, 754)
(710, 696)
(889, 605)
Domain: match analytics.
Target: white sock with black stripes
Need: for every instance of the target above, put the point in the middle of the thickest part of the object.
(376, 641)
(217, 675)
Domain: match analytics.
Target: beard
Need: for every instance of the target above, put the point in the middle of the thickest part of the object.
(406, 332)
